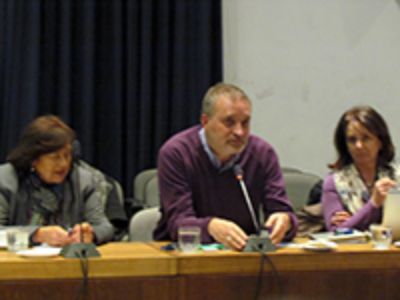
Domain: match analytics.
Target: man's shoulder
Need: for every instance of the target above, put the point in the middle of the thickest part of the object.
(186, 138)
(257, 143)
(260, 154)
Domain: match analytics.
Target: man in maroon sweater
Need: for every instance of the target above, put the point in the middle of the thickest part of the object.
(197, 183)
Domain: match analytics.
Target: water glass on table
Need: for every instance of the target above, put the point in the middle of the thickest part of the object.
(381, 236)
(17, 239)
(189, 238)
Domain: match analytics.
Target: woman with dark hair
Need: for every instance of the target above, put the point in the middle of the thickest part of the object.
(45, 189)
(364, 172)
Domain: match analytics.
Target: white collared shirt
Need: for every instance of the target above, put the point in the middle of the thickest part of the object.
(213, 158)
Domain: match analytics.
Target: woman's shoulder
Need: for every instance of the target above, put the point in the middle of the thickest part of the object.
(89, 177)
(88, 170)
(7, 168)
(342, 178)
(329, 180)
(86, 173)
(8, 176)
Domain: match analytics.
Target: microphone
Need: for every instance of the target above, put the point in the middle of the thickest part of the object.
(81, 249)
(238, 171)
(259, 242)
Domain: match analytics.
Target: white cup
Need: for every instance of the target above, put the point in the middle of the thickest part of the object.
(17, 239)
(381, 236)
(189, 238)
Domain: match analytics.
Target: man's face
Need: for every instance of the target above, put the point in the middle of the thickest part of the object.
(227, 129)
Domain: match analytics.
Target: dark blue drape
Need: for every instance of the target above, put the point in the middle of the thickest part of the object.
(125, 75)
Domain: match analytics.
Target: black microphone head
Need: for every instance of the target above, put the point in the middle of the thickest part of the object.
(238, 171)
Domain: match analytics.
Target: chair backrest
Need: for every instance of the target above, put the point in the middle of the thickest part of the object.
(118, 189)
(298, 187)
(143, 224)
(139, 186)
(152, 195)
(290, 169)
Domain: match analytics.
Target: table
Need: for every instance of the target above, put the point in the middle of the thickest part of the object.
(142, 271)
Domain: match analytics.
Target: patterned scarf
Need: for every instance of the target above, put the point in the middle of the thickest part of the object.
(46, 209)
(352, 189)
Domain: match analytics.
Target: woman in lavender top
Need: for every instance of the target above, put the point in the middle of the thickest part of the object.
(364, 172)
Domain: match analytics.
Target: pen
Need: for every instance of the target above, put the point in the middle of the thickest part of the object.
(69, 231)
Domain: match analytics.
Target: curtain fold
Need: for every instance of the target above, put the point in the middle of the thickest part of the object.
(124, 74)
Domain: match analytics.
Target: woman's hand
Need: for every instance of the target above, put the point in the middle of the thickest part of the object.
(87, 233)
(58, 237)
(340, 217)
(52, 235)
(381, 189)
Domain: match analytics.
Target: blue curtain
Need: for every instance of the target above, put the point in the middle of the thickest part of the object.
(125, 75)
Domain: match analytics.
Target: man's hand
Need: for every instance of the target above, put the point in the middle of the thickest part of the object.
(280, 224)
(227, 233)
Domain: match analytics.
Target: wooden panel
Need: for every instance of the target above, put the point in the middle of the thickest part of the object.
(369, 285)
(117, 259)
(351, 272)
(148, 288)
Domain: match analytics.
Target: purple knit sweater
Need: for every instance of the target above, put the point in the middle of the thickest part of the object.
(192, 190)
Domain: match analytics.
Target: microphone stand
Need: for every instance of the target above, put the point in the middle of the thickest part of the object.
(81, 249)
(259, 242)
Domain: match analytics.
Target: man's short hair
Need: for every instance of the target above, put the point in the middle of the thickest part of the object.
(212, 94)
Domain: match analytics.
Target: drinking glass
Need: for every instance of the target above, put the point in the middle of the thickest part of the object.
(381, 236)
(189, 238)
(17, 239)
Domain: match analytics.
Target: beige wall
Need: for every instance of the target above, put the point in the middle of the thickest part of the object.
(304, 62)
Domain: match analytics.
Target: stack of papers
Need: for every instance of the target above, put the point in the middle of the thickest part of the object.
(355, 237)
(320, 245)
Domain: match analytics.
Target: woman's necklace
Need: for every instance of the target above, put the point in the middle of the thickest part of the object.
(369, 184)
